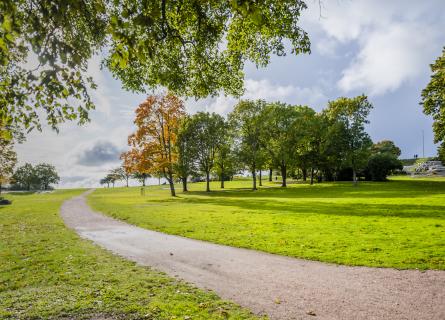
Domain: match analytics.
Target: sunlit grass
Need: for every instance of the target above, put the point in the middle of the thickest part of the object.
(400, 223)
(47, 271)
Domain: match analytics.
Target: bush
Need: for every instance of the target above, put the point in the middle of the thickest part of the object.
(380, 165)
(4, 201)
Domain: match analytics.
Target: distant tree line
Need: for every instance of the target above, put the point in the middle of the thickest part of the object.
(257, 136)
(39, 177)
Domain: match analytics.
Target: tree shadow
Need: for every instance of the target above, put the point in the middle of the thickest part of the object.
(389, 189)
(277, 200)
(326, 208)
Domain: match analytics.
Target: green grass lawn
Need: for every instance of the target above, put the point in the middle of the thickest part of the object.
(47, 271)
(400, 223)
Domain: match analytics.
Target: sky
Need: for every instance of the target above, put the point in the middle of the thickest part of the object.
(380, 48)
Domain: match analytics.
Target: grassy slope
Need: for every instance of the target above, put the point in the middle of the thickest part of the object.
(393, 224)
(47, 271)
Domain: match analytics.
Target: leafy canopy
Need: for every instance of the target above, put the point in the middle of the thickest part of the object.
(354, 142)
(433, 100)
(193, 48)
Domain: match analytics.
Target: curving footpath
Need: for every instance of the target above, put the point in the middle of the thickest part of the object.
(281, 287)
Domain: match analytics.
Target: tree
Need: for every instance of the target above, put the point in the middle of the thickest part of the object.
(106, 181)
(157, 121)
(122, 173)
(46, 175)
(192, 48)
(208, 131)
(433, 100)
(283, 132)
(141, 177)
(386, 146)
(8, 160)
(197, 48)
(351, 114)
(63, 35)
(186, 150)
(111, 178)
(137, 165)
(247, 119)
(224, 162)
(25, 177)
(381, 164)
(309, 142)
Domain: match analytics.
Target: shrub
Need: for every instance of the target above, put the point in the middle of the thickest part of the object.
(4, 201)
(380, 166)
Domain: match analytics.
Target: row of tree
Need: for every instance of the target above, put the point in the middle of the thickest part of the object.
(123, 174)
(39, 177)
(294, 140)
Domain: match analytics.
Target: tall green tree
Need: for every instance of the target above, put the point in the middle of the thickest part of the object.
(433, 100)
(224, 159)
(186, 149)
(46, 175)
(208, 131)
(284, 123)
(191, 47)
(247, 119)
(309, 143)
(351, 115)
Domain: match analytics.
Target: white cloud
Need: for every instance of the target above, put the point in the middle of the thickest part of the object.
(388, 58)
(396, 40)
(261, 89)
(101, 97)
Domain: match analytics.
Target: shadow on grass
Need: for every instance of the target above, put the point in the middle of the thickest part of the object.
(328, 208)
(389, 189)
(277, 200)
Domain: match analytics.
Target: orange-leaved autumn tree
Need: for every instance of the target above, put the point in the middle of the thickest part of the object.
(137, 165)
(153, 143)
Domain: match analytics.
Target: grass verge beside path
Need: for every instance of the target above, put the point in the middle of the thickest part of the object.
(47, 271)
(400, 223)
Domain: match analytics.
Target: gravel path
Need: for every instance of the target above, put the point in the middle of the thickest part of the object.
(281, 287)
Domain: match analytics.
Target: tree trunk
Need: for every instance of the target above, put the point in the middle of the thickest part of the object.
(159, 180)
(283, 175)
(304, 172)
(208, 181)
(312, 175)
(261, 178)
(270, 174)
(184, 185)
(254, 179)
(0, 187)
(222, 177)
(172, 185)
(354, 177)
(127, 182)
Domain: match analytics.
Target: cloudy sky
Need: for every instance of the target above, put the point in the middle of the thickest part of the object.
(377, 47)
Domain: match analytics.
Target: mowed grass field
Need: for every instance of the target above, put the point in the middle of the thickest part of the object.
(48, 272)
(400, 223)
